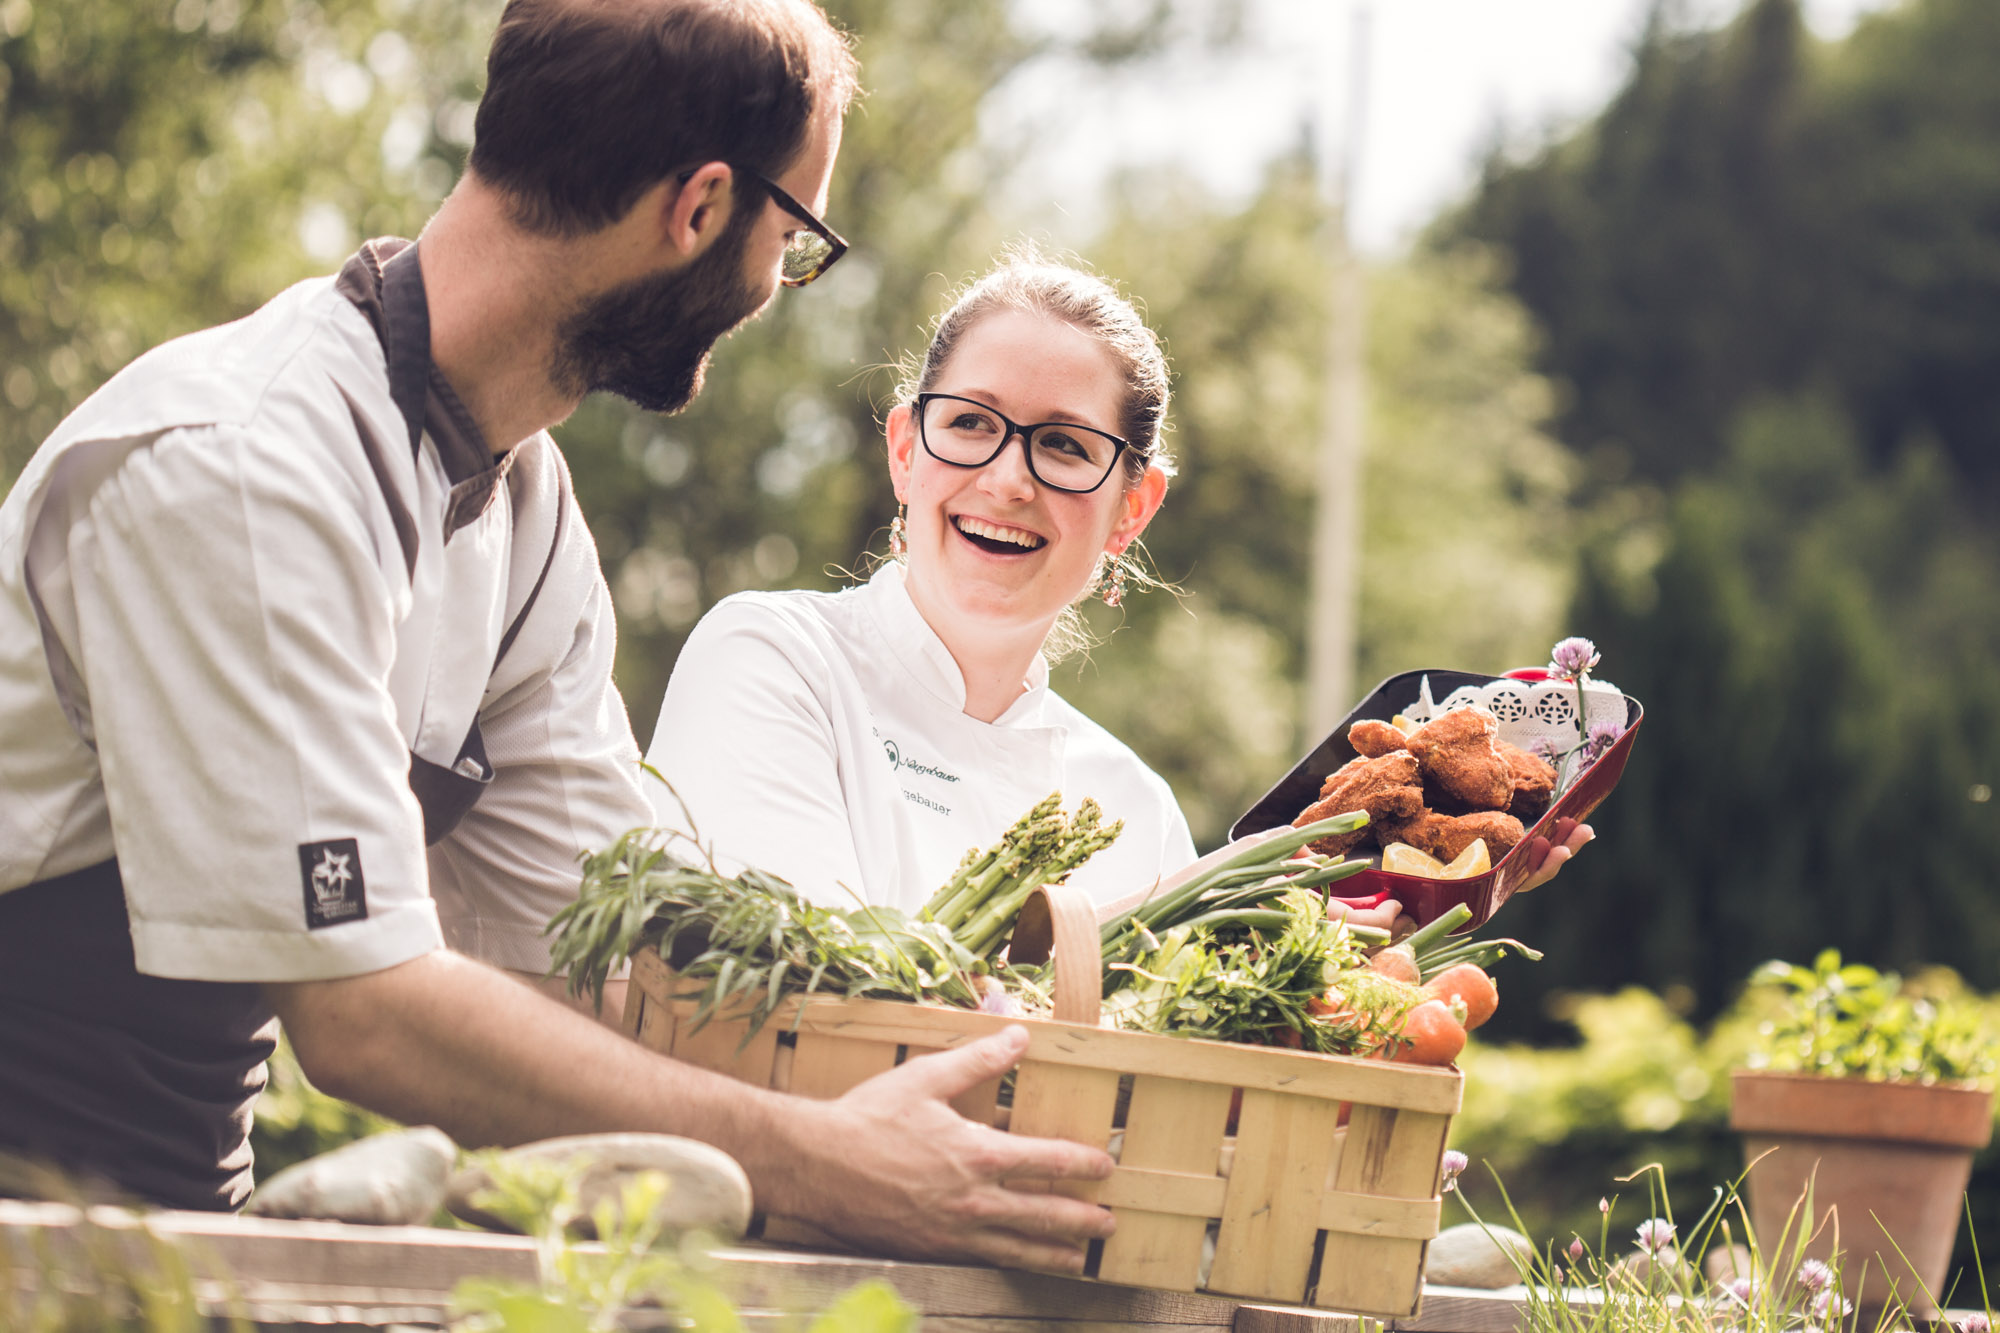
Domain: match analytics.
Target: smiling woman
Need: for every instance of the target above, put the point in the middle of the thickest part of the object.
(858, 742)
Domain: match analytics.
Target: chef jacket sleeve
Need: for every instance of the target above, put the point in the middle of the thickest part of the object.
(746, 746)
(565, 772)
(235, 628)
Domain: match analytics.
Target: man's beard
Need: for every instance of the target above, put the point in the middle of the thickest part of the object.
(648, 341)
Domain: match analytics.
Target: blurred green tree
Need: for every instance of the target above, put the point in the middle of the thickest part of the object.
(170, 164)
(1758, 212)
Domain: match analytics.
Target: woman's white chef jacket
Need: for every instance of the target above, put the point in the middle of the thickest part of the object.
(823, 737)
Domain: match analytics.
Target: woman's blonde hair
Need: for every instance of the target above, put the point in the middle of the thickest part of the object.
(1029, 282)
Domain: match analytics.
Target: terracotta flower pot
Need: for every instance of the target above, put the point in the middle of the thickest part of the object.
(1885, 1159)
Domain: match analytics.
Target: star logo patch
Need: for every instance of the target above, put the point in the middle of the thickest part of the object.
(335, 892)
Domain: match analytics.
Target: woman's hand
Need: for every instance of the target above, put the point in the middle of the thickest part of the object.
(1551, 854)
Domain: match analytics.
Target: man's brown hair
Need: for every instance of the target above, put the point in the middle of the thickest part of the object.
(589, 103)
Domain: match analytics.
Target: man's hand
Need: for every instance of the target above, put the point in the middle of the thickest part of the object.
(901, 1171)
(1550, 855)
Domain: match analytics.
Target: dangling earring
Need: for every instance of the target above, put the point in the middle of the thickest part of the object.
(1114, 582)
(898, 536)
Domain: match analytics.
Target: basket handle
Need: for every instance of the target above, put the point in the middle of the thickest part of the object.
(1059, 920)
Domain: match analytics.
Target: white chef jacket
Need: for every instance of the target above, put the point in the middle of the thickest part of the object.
(823, 737)
(241, 598)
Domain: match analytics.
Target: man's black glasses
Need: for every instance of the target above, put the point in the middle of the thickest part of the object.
(1061, 455)
(808, 253)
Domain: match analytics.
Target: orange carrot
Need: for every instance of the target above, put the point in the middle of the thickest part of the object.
(1430, 1036)
(1396, 961)
(1466, 982)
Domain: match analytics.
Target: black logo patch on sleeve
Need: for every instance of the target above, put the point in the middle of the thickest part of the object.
(335, 894)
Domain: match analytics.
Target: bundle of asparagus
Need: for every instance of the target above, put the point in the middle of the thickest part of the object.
(979, 902)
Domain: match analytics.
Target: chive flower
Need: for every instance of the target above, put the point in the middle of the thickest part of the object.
(1576, 1250)
(1656, 1234)
(1814, 1275)
(1454, 1162)
(1572, 657)
(1603, 735)
(1832, 1303)
(1975, 1323)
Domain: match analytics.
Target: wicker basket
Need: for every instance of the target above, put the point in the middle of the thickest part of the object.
(1311, 1210)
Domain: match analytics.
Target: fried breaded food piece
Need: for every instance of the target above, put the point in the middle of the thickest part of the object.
(1417, 830)
(1451, 834)
(1445, 836)
(1534, 782)
(1457, 752)
(1386, 787)
(1372, 740)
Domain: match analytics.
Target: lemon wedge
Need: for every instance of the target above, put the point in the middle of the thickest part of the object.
(1474, 860)
(1402, 724)
(1399, 858)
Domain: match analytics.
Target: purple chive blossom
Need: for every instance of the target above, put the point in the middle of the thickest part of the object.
(1544, 750)
(1814, 1275)
(1603, 735)
(1655, 1234)
(1453, 1163)
(1831, 1303)
(1740, 1289)
(1576, 1250)
(1572, 658)
(995, 999)
(1604, 1206)
(1975, 1323)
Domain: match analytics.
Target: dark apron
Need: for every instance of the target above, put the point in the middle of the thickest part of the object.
(142, 1086)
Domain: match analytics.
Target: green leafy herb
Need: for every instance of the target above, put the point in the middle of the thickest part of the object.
(1852, 1020)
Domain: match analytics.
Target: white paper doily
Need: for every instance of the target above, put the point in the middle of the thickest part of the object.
(1529, 711)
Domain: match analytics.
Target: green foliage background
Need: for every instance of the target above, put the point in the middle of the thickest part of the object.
(1708, 379)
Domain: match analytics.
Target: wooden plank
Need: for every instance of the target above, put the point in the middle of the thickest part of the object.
(1390, 1153)
(1064, 1102)
(1168, 1192)
(719, 1045)
(413, 1263)
(1373, 1215)
(1331, 1076)
(651, 975)
(1171, 1127)
(825, 1067)
(655, 1022)
(1270, 1216)
(1292, 1319)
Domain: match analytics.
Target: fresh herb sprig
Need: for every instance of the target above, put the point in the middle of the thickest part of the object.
(745, 941)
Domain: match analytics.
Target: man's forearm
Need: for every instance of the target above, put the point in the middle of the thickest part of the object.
(447, 1041)
(611, 1013)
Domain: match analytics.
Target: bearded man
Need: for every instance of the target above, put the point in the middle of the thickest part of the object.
(305, 668)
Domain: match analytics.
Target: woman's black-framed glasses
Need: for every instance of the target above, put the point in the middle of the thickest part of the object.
(808, 253)
(1061, 454)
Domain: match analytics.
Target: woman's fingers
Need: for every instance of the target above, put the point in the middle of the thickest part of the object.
(1551, 856)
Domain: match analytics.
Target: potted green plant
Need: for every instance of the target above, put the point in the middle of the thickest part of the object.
(1878, 1094)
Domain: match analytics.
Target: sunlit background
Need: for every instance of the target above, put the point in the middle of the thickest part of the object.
(1679, 331)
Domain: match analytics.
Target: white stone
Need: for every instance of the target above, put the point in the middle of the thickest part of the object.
(392, 1179)
(1470, 1255)
(708, 1190)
